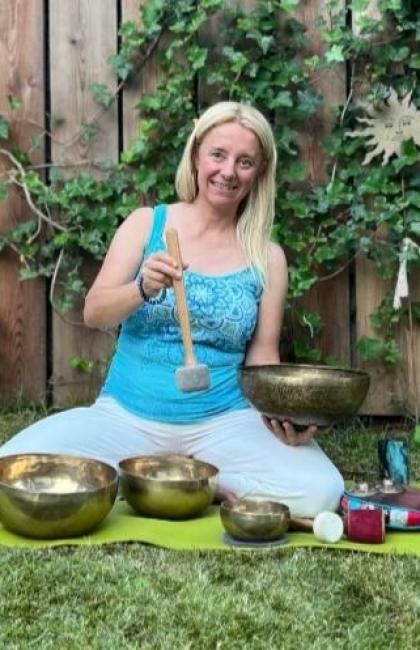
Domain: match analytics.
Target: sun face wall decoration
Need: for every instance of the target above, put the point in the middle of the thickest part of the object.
(388, 128)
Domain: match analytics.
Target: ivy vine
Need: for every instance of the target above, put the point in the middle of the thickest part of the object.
(360, 209)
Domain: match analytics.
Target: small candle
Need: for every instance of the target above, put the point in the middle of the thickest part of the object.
(366, 525)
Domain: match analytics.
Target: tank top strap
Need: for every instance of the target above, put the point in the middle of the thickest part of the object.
(156, 237)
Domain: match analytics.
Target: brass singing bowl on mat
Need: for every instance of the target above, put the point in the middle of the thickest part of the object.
(304, 394)
(253, 520)
(52, 495)
(168, 486)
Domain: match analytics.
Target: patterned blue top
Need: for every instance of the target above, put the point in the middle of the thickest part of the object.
(223, 314)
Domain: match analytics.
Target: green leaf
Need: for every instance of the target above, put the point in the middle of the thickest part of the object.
(360, 5)
(410, 151)
(417, 434)
(121, 65)
(413, 198)
(391, 353)
(414, 228)
(82, 364)
(326, 252)
(308, 102)
(146, 179)
(89, 131)
(102, 95)
(4, 128)
(369, 348)
(289, 5)
(312, 321)
(282, 99)
(295, 172)
(3, 191)
(330, 360)
(197, 56)
(304, 352)
(15, 103)
(399, 54)
(415, 310)
(391, 5)
(265, 43)
(414, 61)
(56, 175)
(29, 273)
(335, 54)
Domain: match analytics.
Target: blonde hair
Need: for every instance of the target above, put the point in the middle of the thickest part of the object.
(256, 213)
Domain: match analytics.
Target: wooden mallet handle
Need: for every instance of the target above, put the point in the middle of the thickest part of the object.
(174, 250)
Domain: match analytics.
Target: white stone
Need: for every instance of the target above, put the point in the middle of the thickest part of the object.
(328, 527)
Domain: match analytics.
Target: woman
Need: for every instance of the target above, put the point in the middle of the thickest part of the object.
(236, 283)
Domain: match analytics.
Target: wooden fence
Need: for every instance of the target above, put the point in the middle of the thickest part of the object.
(51, 51)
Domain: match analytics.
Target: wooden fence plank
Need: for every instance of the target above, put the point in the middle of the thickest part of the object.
(143, 82)
(383, 394)
(408, 370)
(82, 37)
(211, 37)
(330, 298)
(22, 304)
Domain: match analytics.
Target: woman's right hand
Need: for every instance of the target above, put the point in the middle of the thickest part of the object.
(287, 433)
(159, 272)
(115, 294)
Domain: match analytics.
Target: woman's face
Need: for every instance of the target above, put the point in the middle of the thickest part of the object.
(227, 162)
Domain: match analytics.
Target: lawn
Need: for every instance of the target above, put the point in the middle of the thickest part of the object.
(135, 596)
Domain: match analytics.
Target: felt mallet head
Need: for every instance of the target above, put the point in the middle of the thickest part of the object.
(192, 378)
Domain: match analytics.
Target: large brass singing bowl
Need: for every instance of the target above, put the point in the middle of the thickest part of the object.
(168, 486)
(252, 520)
(304, 394)
(52, 495)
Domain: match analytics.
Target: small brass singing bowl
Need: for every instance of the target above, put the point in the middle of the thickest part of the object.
(168, 486)
(50, 496)
(304, 394)
(254, 520)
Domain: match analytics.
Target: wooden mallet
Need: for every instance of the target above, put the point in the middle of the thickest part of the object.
(193, 376)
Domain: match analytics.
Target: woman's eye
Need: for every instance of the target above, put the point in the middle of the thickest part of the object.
(246, 163)
(217, 155)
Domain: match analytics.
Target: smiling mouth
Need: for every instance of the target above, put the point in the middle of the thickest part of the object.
(225, 187)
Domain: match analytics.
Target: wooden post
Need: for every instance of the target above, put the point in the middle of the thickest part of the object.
(330, 298)
(384, 395)
(211, 33)
(408, 372)
(22, 304)
(144, 82)
(82, 36)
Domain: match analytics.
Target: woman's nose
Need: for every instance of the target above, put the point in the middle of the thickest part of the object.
(228, 169)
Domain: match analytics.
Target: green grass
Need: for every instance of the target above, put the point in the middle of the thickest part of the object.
(135, 596)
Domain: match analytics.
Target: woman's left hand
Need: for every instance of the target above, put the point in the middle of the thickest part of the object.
(286, 432)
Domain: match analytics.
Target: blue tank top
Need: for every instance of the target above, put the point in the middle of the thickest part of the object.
(223, 314)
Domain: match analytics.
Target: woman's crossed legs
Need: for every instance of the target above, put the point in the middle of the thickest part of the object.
(251, 460)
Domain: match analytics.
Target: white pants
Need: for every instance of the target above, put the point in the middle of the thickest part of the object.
(251, 460)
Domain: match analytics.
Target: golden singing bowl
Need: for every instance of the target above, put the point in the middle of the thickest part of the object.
(53, 495)
(168, 486)
(252, 520)
(304, 394)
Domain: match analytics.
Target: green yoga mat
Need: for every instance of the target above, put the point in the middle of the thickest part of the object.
(205, 532)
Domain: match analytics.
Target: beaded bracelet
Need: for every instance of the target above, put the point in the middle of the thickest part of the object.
(151, 300)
